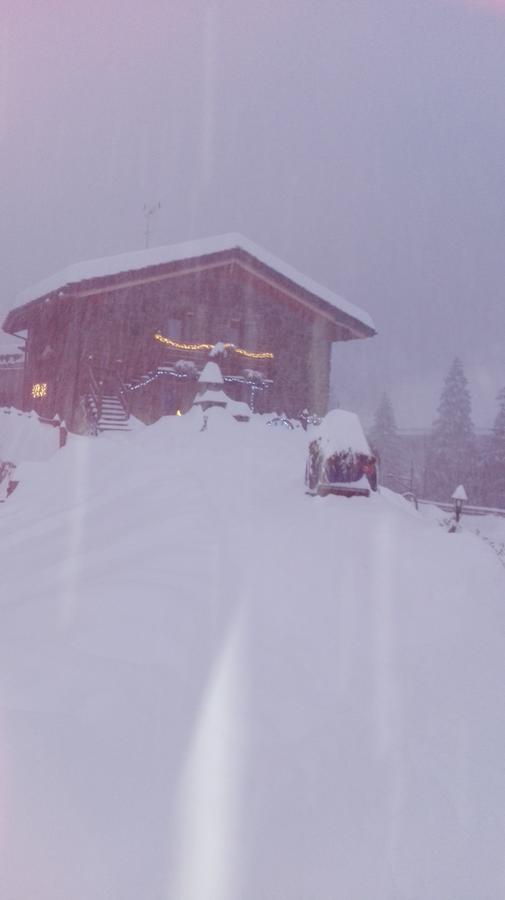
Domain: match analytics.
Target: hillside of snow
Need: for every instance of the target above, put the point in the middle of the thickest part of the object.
(215, 687)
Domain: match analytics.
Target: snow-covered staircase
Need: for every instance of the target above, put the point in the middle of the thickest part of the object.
(113, 415)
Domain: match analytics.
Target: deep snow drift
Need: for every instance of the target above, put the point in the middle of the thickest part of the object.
(214, 687)
(23, 437)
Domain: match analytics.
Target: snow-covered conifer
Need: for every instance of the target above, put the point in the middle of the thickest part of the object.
(386, 445)
(499, 422)
(495, 469)
(210, 388)
(452, 452)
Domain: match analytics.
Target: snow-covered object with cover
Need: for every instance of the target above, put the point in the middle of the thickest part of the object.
(340, 460)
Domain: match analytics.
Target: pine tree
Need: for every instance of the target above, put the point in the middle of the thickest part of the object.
(452, 453)
(495, 470)
(386, 445)
(499, 422)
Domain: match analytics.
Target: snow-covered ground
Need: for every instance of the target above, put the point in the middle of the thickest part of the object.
(489, 528)
(215, 687)
(23, 437)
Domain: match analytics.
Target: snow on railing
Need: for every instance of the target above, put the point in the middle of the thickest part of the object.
(468, 510)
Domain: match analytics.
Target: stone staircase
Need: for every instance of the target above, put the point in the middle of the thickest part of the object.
(113, 415)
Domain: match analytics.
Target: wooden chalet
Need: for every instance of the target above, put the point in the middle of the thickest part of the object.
(11, 371)
(131, 333)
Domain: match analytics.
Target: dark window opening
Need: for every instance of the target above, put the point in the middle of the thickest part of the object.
(175, 328)
(188, 326)
(235, 332)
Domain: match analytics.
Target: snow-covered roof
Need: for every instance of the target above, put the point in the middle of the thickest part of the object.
(211, 374)
(141, 259)
(341, 430)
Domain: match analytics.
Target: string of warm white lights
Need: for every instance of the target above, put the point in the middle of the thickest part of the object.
(39, 390)
(178, 345)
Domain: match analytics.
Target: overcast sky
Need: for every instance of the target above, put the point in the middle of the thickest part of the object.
(361, 140)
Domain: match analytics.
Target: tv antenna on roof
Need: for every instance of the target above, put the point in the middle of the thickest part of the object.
(148, 214)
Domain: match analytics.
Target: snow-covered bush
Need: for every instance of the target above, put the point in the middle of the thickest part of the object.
(186, 367)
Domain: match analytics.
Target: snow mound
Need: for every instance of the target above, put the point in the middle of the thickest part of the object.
(23, 437)
(238, 408)
(213, 686)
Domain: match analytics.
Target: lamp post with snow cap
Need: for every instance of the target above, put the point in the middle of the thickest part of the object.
(459, 497)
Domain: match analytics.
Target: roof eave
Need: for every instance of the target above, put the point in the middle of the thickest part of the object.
(17, 319)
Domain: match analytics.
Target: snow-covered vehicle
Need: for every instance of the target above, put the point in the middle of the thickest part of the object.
(340, 460)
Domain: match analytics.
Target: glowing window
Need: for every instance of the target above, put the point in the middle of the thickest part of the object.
(39, 390)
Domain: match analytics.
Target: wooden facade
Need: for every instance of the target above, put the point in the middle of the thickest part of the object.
(145, 333)
(11, 374)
